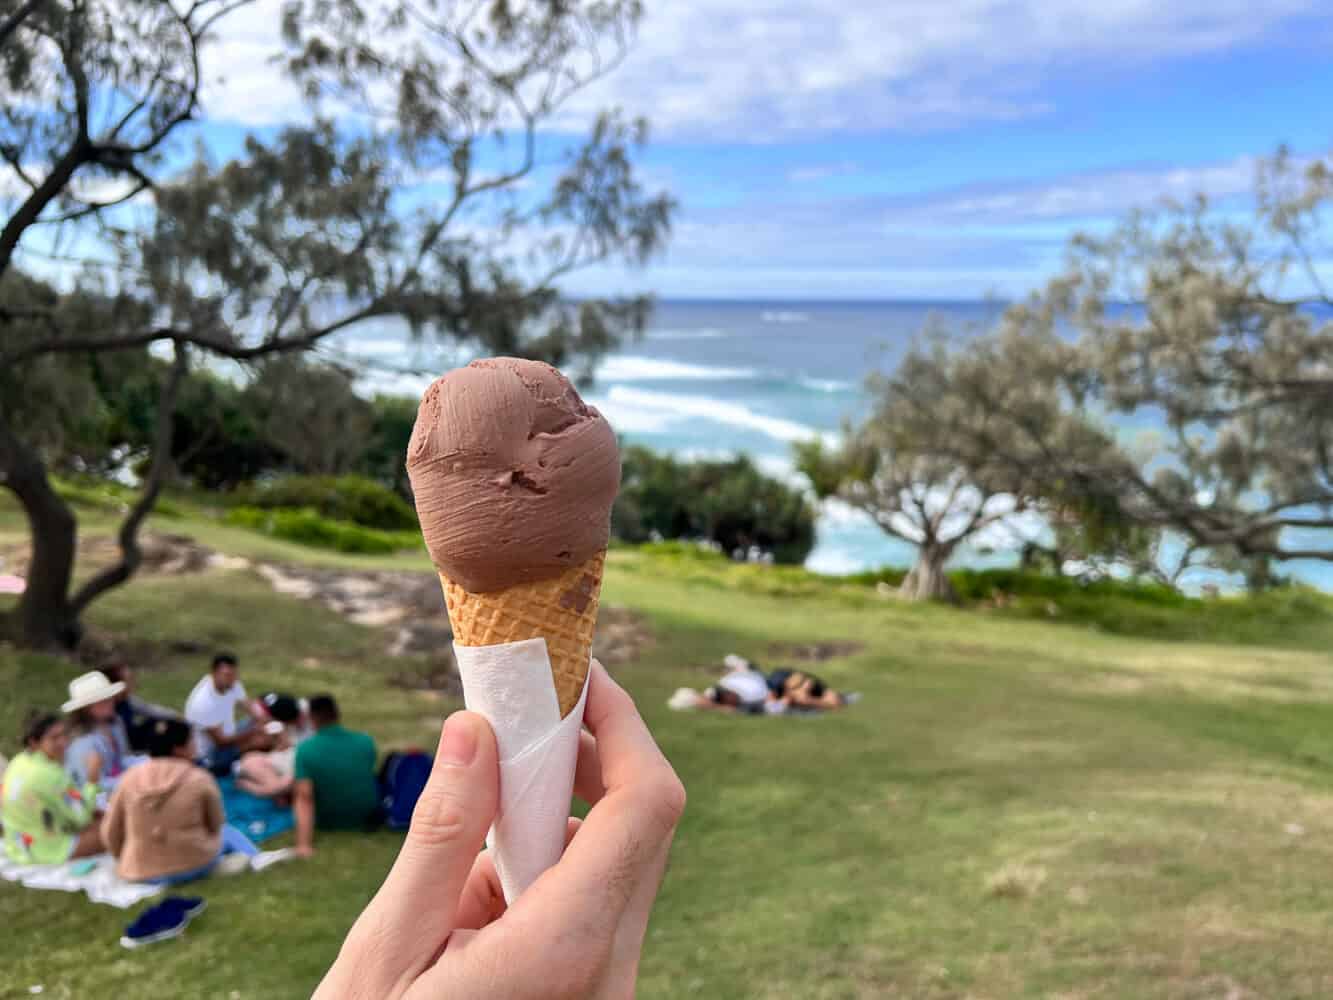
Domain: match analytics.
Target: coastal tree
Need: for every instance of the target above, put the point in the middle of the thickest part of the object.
(425, 209)
(1227, 353)
(914, 465)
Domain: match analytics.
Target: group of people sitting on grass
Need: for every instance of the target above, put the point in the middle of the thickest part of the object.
(746, 688)
(116, 774)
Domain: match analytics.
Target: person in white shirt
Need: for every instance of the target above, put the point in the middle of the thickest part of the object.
(211, 710)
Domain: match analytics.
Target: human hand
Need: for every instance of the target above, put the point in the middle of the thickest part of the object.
(439, 926)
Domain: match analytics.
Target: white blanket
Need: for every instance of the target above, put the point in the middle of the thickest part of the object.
(101, 884)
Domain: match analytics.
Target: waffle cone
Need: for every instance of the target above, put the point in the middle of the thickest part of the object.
(561, 610)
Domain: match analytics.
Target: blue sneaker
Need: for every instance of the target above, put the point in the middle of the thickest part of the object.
(191, 906)
(162, 922)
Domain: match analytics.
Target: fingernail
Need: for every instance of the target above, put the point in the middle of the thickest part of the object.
(458, 742)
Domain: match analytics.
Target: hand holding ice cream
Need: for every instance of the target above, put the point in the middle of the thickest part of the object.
(514, 477)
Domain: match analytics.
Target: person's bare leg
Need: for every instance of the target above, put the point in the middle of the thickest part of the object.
(259, 777)
(254, 739)
(89, 843)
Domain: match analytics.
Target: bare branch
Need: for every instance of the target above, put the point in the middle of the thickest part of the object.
(130, 553)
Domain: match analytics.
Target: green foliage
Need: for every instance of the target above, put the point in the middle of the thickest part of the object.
(342, 498)
(384, 458)
(104, 495)
(218, 440)
(730, 503)
(307, 527)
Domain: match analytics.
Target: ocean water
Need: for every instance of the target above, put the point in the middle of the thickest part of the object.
(711, 379)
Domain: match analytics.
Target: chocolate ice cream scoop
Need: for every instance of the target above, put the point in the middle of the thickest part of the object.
(513, 474)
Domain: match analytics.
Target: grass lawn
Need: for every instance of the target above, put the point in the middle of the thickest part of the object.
(1017, 808)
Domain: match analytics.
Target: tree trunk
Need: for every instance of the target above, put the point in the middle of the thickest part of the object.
(45, 618)
(927, 581)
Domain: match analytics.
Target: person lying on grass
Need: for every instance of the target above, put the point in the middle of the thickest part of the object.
(746, 689)
(47, 819)
(166, 824)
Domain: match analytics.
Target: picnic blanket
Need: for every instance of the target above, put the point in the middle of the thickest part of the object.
(261, 820)
(94, 876)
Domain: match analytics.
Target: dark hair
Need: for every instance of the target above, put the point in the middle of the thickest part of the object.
(323, 710)
(282, 707)
(223, 660)
(721, 696)
(37, 725)
(115, 671)
(166, 736)
(83, 719)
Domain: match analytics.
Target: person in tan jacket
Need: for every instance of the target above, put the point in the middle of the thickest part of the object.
(165, 823)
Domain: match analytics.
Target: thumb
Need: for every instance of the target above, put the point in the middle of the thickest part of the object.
(419, 899)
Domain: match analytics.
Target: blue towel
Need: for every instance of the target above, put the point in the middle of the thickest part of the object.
(260, 819)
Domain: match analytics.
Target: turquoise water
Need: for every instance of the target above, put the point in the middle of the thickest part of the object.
(716, 378)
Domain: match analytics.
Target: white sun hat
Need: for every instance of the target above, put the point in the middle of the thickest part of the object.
(89, 690)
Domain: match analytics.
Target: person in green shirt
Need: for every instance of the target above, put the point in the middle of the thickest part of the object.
(47, 819)
(335, 786)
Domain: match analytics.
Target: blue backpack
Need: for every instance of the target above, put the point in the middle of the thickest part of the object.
(402, 779)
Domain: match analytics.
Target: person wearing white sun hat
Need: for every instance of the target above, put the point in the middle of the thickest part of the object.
(99, 751)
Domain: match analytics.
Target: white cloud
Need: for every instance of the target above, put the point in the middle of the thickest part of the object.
(1095, 194)
(749, 70)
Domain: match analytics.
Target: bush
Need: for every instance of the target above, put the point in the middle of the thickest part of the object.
(341, 498)
(730, 503)
(308, 527)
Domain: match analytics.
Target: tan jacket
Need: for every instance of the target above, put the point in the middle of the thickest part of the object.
(165, 818)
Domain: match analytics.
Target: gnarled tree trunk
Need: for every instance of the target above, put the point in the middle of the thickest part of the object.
(45, 618)
(48, 615)
(927, 581)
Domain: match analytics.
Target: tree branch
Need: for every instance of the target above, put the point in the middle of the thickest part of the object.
(12, 23)
(131, 555)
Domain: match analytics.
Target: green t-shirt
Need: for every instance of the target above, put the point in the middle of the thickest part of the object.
(341, 765)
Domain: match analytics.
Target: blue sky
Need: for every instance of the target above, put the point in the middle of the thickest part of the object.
(914, 148)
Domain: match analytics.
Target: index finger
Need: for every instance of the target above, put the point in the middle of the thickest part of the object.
(625, 834)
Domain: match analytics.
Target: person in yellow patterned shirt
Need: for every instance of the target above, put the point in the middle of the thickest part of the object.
(47, 819)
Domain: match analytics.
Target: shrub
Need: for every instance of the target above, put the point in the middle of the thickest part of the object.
(342, 498)
(308, 527)
(730, 503)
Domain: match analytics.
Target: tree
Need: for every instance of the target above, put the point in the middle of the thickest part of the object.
(1227, 349)
(728, 502)
(916, 464)
(311, 414)
(308, 233)
(394, 417)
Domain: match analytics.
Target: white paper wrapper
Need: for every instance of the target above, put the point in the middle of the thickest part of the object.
(511, 686)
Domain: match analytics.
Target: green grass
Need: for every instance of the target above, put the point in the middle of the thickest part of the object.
(1019, 808)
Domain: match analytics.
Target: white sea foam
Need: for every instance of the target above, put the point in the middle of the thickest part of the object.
(784, 316)
(708, 333)
(631, 409)
(829, 385)
(780, 467)
(621, 368)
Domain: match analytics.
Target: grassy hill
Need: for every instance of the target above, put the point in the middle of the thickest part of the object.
(1020, 807)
